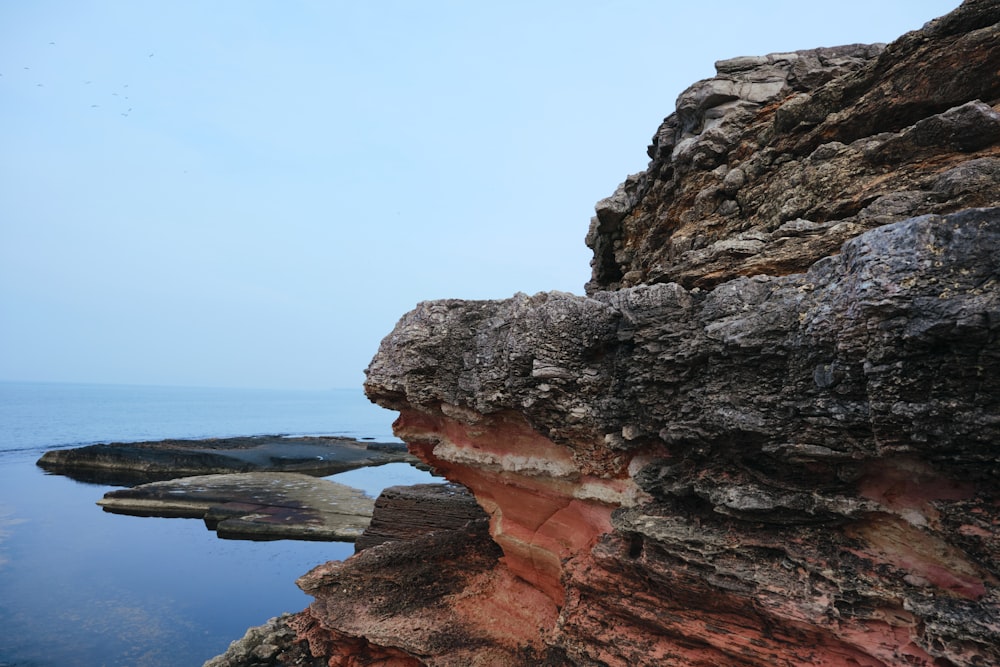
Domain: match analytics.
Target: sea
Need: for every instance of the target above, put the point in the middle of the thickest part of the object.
(80, 587)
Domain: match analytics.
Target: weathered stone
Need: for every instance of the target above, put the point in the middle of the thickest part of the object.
(253, 505)
(767, 436)
(273, 644)
(137, 462)
(406, 512)
(817, 135)
(439, 599)
(849, 410)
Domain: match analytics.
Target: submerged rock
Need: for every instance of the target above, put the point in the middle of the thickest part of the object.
(137, 462)
(253, 505)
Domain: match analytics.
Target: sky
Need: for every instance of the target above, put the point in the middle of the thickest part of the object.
(250, 193)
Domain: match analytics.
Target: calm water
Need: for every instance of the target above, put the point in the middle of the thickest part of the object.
(81, 587)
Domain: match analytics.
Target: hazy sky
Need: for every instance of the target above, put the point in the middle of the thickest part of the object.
(250, 193)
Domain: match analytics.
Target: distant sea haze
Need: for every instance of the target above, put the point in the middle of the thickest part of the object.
(50, 415)
(80, 587)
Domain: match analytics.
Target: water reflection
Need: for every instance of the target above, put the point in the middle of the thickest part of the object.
(79, 586)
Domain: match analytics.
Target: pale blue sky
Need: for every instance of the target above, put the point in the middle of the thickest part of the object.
(250, 193)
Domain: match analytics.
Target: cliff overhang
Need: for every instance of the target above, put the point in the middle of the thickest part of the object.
(770, 432)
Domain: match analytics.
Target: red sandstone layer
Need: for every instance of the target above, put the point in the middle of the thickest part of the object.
(543, 510)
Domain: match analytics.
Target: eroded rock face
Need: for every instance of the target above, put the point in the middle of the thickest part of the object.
(801, 465)
(779, 159)
(770, 434)
(440, 598)
(407, 512)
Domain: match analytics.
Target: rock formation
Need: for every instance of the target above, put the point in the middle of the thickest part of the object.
(768, 435)
(407, 512)
(253, 505)
(799, 469)
(774, 163)
(129, 463)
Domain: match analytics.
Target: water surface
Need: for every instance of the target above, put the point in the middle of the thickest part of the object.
(79, 586)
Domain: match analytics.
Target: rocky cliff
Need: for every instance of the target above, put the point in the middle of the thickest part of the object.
(768, 435)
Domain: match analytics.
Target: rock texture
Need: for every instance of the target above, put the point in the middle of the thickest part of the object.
(270, 645)
(769, 434)
(799, 469)
(779, 159)
(253, 505)
(442, 597)
(406, 512)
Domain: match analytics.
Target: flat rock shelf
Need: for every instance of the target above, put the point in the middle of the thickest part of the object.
(253, 505)
(132, 463)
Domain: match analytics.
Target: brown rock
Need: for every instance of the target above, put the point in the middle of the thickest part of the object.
(802, 466)
(406, 512)
(778, 160)
(440, 599)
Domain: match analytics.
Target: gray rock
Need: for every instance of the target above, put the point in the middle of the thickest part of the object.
(137, 462)
(768, 435)
(736, 364)
(775, 424)
(253, 505)
(273, 644)
(816, 135)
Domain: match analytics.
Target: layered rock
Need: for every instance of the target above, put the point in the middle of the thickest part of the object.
(407, 512)
(253, 505)
(129, 463)
(769, 434)
(443, 597)
(801, 466)
(779, 159)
